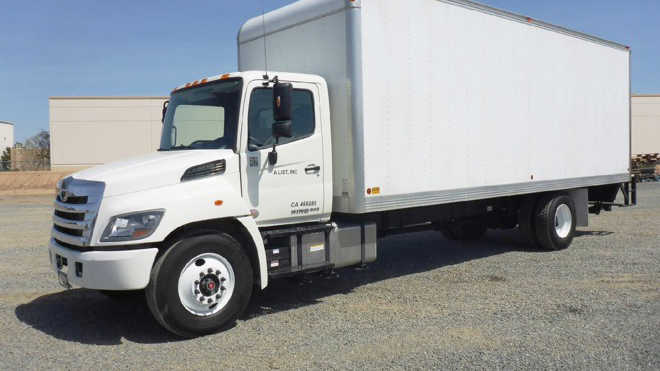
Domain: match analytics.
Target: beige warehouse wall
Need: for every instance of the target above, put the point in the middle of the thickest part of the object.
(88, 131)
(6, 135)
(645, 124)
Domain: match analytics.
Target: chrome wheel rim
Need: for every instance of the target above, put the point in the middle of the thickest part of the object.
(563, 220)
(206, 284)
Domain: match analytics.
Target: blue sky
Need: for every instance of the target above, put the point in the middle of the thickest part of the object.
(84, 47)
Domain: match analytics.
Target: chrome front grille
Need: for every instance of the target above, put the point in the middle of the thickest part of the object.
(76, 207)
(76, 200)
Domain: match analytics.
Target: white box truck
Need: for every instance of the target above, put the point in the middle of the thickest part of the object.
(384, 117)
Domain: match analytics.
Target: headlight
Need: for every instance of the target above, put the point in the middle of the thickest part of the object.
(131, 227)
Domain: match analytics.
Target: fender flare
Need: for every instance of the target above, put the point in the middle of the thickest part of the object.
(251, 227)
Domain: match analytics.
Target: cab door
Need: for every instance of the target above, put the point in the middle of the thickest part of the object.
(291, 190)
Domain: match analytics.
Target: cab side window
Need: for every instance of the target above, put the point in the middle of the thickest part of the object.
(260, 117)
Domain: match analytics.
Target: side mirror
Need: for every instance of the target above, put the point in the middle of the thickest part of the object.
(165, 104)
(282, 101)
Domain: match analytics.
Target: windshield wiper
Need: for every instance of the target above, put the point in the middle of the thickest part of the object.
(175, 148)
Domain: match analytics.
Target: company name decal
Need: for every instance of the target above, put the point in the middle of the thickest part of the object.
(285, 172)
(304, 207)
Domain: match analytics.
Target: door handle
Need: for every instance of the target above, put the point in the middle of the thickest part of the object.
(312, 169)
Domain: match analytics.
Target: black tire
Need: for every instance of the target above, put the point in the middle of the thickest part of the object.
(544, 222)
(466, 230)
(526, 221)
(162, 292)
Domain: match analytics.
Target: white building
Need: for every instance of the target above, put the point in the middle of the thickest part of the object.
(89, 131)
(6, 135)
(645, 124)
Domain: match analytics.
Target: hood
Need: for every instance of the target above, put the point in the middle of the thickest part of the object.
(154, 170)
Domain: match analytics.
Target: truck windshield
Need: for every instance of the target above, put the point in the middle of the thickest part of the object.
(204, 117)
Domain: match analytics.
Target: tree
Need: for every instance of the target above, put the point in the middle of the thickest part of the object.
(40, 143)
(5, 159)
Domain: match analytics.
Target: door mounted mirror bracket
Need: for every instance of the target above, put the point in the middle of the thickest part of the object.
(280, 129)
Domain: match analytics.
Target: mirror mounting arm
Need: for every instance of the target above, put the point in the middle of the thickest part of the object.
(275, 80)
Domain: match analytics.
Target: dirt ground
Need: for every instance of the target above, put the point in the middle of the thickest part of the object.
(427, 303)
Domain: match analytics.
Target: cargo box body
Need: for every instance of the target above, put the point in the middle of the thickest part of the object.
(436, 101)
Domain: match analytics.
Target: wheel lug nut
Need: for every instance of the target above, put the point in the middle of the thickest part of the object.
(201, 274)
(222, 288)
(223, 279)
(196, 292)
(210, 270)
(210, 301)
(217, 273)
(196, 282)
(217, 296)
(201, 299)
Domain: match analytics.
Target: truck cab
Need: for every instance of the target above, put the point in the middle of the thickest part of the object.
(223, 172)
(294, 188)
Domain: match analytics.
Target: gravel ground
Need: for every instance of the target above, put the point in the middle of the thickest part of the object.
(427, 303)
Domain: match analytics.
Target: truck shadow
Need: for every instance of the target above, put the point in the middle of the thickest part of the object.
(398, 256)
(592, 233)
(86, 316)
(89, 317)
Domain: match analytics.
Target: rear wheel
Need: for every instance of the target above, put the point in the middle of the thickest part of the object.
(554, 222)
(200, 285)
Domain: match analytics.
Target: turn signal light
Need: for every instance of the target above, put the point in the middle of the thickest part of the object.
(373, 191)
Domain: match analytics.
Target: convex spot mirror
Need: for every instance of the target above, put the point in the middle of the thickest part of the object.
(282, 129)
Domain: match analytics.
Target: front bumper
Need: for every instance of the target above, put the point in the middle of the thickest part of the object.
(103, 270)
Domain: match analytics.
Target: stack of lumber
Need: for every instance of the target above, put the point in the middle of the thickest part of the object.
(645, 165)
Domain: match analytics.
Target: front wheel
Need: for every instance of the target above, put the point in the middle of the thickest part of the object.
(200, 284)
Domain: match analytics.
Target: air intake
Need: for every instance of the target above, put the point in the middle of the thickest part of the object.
(204, 170)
